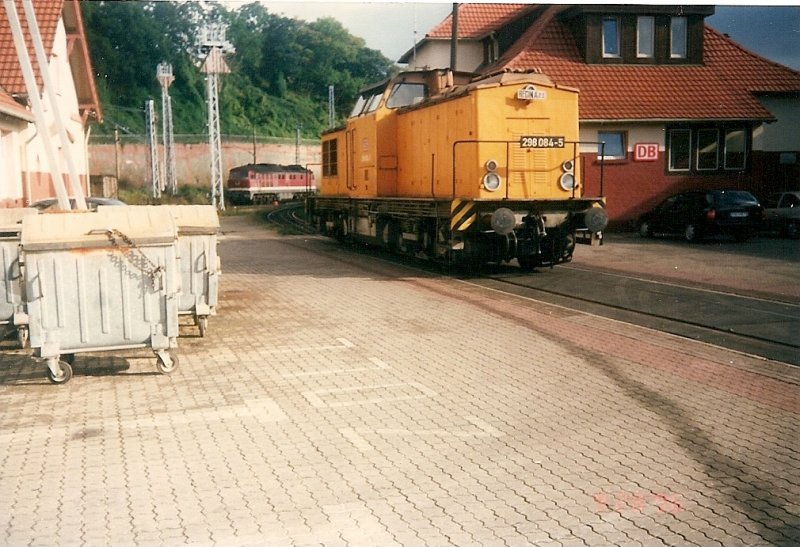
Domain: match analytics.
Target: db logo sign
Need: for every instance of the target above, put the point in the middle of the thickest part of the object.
(645, 152)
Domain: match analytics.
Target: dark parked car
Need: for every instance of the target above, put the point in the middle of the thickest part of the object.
(697, 214)
(92, 202)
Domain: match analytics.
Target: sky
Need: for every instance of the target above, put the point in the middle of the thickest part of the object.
(770, 31)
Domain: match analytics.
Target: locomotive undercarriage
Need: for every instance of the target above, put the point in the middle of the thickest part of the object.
(471, 235)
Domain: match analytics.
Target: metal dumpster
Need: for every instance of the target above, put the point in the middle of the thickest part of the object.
(98, 281)
(12, 300)
(198, 226)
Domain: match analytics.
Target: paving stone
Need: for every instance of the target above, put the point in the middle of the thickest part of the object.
(338, 399)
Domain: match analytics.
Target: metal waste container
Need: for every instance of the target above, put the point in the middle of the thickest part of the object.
(98, 281)
(198, 226)
(12, 300)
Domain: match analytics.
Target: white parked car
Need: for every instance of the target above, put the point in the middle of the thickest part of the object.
(782, 213)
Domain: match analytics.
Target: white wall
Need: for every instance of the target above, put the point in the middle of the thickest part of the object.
(783, 135)
(436, 54)
(34, 154)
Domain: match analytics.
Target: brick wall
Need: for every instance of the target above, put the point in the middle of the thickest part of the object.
(192, 161)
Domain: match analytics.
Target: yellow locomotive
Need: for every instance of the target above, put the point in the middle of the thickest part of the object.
(453, 168)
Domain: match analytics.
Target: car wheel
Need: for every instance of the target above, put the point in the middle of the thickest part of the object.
(644, 229)
(690, 233)
(792, 230)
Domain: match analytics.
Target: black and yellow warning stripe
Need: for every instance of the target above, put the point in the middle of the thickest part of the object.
(462, 214)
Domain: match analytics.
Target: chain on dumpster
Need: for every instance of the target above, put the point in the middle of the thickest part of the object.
(139, 260)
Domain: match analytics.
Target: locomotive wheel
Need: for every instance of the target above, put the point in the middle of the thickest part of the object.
(529, 263)
(569, 247)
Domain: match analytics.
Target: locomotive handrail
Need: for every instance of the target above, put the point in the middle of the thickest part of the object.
(575, 153)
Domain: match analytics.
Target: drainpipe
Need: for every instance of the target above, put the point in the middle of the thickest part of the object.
(454, 38)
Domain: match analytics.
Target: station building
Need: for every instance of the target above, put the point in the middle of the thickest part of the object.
(25, 174)
(678, 105)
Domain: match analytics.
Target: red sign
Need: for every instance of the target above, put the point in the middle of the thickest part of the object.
(645, 152)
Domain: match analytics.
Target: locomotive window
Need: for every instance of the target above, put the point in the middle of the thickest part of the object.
(406, 94)
(329, 158)
(359, 106)
(374, 101)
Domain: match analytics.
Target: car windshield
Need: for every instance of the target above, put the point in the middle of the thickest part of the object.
(734, 198)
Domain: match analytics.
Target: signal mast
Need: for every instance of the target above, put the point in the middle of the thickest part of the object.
(213, 44)
(165, 79)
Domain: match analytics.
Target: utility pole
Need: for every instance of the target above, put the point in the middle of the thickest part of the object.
(331, 108)
(214, 45)
(165, 79)
(152, 149)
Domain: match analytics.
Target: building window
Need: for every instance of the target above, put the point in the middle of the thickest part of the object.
(611, 37)
(680, 149)
(645, 37)
(614, 148)
(707, 150)
(329, 158)
(735, 149)
(678, 36)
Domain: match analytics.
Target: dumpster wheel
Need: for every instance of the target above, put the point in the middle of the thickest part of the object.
(63, 373)
(202, 323)
(23, 336)
(165, 362)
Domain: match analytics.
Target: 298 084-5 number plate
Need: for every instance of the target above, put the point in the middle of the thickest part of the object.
(541, 142)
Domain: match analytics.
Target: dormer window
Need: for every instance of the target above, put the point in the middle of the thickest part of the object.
(611, 37)
(645, 37)
(678, 34)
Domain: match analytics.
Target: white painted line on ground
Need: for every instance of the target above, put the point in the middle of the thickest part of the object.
(344, 343)
(356, 440)
(379, 365)
(315, 399)
(355, 436)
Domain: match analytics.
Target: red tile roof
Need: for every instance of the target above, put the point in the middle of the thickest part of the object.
(48, 13)
(12, 108)
(478, 20)
(724, 87)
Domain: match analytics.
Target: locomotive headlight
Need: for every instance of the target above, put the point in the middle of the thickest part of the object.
(568, 166)
(567, 182)
(491, 181)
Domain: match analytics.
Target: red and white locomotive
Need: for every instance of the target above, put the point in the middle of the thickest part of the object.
(269, 182)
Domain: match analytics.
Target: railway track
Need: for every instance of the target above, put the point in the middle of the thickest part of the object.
(755, 326)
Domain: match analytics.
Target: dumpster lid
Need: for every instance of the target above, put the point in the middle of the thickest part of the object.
(192, 219)
(195, 219)
(76, 229)
(11, 219)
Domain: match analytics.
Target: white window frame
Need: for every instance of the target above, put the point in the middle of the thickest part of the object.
(623, 138)
(700, 132)
(617, 44)
(678, 37)
(670, 167)
(728, 132)
(647, 22)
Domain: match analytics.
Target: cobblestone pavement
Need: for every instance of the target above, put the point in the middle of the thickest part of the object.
(341, 400)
